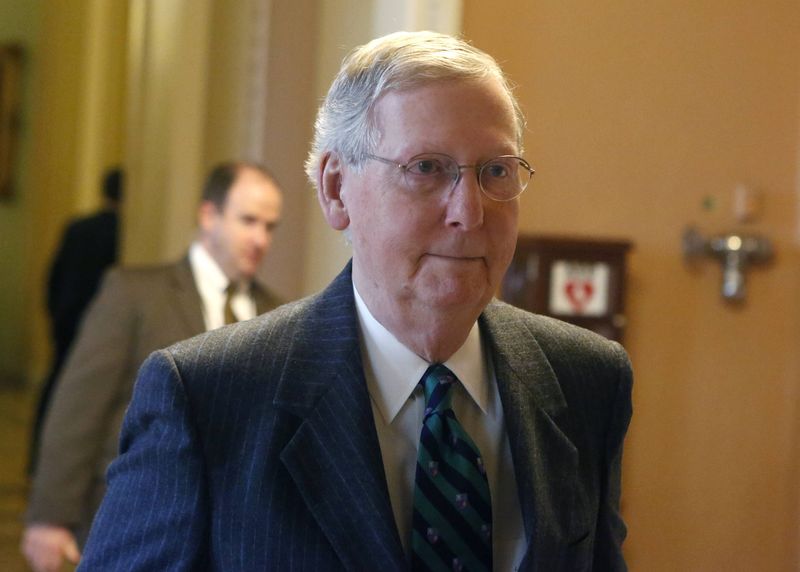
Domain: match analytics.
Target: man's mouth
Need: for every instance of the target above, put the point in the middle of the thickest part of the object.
(456, 257)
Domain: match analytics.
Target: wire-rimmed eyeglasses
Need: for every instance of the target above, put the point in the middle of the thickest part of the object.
(501, 179)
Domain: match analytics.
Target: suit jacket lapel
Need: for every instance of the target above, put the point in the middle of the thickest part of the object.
(187, 298)
(334, 457)
(545, 461)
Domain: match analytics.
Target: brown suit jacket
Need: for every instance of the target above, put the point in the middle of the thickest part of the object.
(136, 312)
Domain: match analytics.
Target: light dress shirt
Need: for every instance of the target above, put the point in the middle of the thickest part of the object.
(393, 373)
(212, 283)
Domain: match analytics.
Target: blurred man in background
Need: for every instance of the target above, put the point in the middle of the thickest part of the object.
(137, 311)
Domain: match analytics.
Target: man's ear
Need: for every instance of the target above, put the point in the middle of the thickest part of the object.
(207, 214)
(329, 191)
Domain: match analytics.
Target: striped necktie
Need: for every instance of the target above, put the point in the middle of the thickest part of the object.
(452, 506)
(230, 317)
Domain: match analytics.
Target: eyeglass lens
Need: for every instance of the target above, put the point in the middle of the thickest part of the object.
(502, 178)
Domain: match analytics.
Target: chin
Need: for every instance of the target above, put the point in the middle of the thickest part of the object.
(459, 298)
(247, 273)
(456, 288)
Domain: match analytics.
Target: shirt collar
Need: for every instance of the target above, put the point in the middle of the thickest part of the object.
(207, 272)
(393, 370)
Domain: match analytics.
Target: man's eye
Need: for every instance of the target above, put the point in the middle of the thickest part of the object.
(497, 170)
(426, 167)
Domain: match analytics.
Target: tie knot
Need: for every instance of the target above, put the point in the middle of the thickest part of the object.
(436, 384)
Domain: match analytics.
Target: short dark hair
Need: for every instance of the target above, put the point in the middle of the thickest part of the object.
(221, 179)
(113, 183)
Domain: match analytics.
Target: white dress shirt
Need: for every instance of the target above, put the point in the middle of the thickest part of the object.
(393, 373)
(212, 284)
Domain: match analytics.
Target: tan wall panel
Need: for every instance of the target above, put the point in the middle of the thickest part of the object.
(342, 25)
(54, 179)
(19, 23)
(102, 101)
(167, 74)
(288, 120)
(643, 118)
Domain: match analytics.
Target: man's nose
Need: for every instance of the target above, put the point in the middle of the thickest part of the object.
(465, 202)
(262, 236)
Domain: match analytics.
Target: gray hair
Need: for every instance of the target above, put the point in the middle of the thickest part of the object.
(400, 61)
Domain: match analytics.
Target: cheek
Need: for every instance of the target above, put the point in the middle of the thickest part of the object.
(244, 233)
(235, 243)
(381, 226)
(503, 234)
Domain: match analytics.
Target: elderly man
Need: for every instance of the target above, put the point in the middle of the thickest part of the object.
(137, 311)
(402, 417)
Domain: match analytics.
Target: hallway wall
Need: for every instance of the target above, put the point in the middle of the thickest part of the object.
(338, 32)
(643, 118)
(19, 24)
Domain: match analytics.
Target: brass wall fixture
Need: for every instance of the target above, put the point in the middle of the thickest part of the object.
(736, 252)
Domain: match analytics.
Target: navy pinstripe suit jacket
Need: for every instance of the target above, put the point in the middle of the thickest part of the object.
(253, 447)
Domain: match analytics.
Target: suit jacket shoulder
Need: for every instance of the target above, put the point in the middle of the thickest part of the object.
(583, 362)
(554, 336)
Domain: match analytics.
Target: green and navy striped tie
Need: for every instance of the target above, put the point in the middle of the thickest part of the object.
(452, 522)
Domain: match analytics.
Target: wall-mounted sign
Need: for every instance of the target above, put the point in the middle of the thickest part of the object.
(579, 288)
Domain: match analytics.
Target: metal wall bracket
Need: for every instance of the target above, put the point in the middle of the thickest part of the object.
(734, 251)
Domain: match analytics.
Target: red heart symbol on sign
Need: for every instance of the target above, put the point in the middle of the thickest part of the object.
(579, 293)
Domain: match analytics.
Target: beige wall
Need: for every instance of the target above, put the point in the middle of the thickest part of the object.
(286, 125)
(639, 114)
(338, 32)
(167, 71)
(19, 23)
